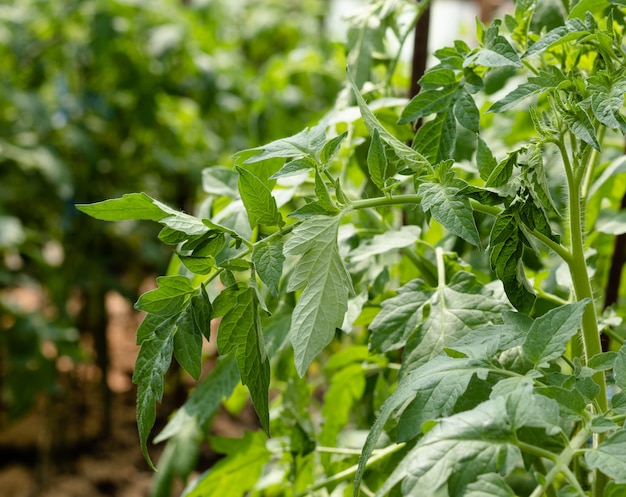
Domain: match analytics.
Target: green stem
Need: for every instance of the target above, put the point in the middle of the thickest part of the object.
(559, 249)
(351, 471)
(369, 203)
(580, 279)
(537, 451)
(541, 467)
(563, 461)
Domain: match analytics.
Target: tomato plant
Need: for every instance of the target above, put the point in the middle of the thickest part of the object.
(418, 319)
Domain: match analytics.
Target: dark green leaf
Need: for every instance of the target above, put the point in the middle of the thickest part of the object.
(168, 298)
(520, 93)
(294, 167)
(323, 197)
(428, 102)
(454, 212)
(620, 368)
(188, 344)
(377, 161)
(495, 52)
(268, 259)
(466, 112)
(437, 77)
(549, 334)
(506, 246)
(485, 160)
(489, 485)
(454, 310)
(198, 265)
(580, 124)
(240, 330)
(573, 29)
(435, 139)
(482, 439)
(399, 317)
(607, 100)
(501, 174)
(258, 200)
(152, 363)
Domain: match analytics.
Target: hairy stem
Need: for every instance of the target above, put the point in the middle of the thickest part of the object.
(578, 270)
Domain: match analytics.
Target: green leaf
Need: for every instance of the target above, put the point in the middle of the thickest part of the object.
(377, 161)
(485, 160)
(237, 473)
(323, 197)
(435, 139)
(331, 147)
(437, 77)
(620, 368)
(441, 380)
(309, 142)
(406, 236)
(501, 174)
(480, 441)
(136, 206)
(258, 201)
(520, 93)
(610, 457)
(268, 259)
(219, 180)
(345, 390)
(603, 361)
(454, 310)
(489, 485)
(325, 285)
(428, 102)
(549, 334)
(466, 112)
(294, 167)
(240, 330)
(188, 344)
(399, 317)
(496, 51)
(573, 29)
(454, 212)
(168, 298)
(413, 159)
(580, 10)
(580, 124)
(151, 365)
(436, 391)
(506, 246)
(607, 100)
(198, 265)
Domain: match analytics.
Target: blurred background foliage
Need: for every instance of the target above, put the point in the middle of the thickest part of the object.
(101, 97)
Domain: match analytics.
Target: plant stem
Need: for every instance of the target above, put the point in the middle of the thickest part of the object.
(351, 471)
(384, 201)
(578, 269)
(563, 461)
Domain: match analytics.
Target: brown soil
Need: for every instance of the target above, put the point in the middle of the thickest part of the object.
(57, 450)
